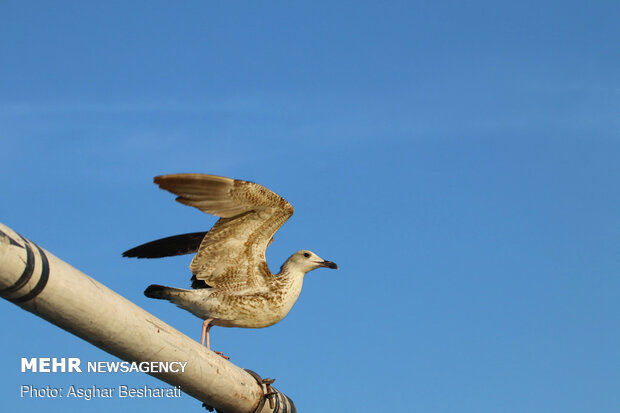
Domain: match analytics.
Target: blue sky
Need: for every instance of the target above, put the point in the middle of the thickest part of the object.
(459, 161)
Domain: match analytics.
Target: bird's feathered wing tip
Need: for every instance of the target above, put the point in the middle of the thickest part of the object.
(168, 247)
(208, 193)
(221, 196)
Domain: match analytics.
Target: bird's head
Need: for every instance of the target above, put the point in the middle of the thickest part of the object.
(305, 261)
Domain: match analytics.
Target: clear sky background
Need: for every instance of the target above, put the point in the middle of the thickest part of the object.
(460, 161)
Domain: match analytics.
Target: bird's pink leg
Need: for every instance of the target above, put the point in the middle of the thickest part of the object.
(204, 339)
(206, 326)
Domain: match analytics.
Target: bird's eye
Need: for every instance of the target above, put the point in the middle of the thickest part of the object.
(307, 255)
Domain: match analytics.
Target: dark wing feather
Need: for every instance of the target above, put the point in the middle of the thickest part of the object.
(168, 247)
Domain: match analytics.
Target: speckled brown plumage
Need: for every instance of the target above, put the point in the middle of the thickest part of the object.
(230, 262)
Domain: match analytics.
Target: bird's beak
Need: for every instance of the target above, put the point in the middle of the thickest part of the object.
(328, 264)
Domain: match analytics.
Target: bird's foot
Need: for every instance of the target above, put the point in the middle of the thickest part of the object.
(219, 353)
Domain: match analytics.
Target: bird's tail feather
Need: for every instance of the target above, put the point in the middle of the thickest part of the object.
(161, 292)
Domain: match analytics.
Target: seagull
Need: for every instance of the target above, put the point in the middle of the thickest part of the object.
(231, 282)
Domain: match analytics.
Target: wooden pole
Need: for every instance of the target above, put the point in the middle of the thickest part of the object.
(41, 283)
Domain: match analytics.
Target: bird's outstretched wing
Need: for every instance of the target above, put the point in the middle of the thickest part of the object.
(232, 254)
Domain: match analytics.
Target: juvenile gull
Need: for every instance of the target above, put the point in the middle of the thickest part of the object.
(231, 283)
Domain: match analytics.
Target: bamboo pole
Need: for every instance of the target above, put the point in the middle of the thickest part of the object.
(42, 284)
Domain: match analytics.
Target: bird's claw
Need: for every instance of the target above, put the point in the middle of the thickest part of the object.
(219, 353)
